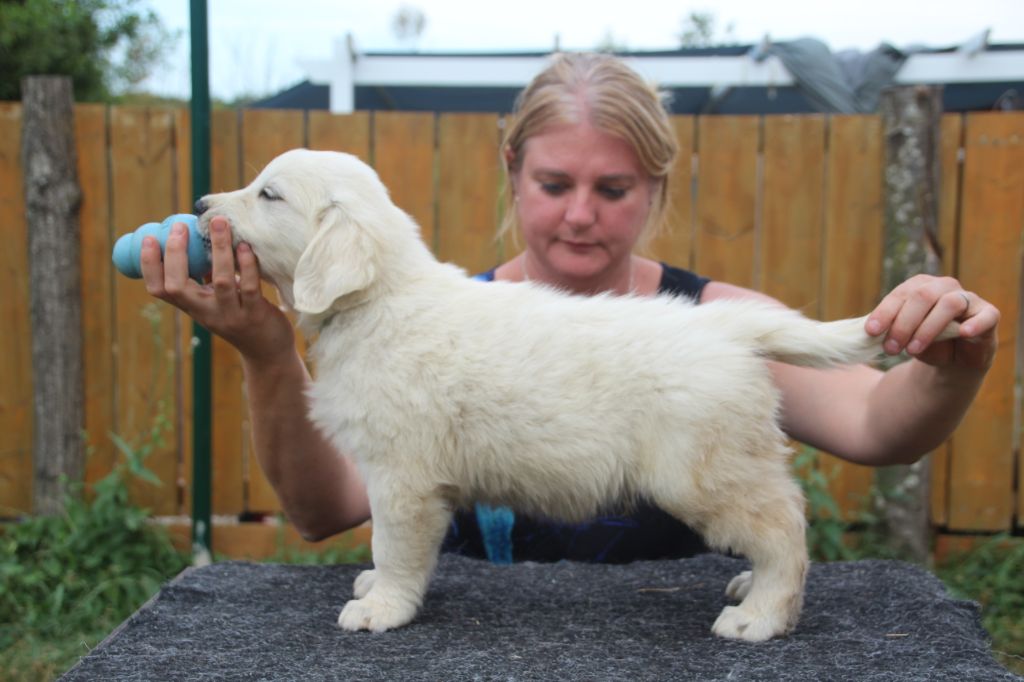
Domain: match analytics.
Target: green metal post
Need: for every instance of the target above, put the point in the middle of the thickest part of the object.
(202, 529)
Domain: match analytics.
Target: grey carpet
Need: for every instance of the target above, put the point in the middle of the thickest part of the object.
(864, 620)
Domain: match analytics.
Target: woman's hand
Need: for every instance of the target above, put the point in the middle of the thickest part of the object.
(229, 305)
(914, 313)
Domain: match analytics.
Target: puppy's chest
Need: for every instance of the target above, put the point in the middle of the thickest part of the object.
(369, 398)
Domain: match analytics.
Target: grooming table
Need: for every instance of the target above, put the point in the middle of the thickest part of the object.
(862, 620)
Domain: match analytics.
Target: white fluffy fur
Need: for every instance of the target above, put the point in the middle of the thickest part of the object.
(447, 391)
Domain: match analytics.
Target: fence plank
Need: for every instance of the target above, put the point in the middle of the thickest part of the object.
(225, 151)
(951, 145)
(468, 193)
(141, 144)
(726, 197)
(16, 340)
(403, 155)
(992, 213)
(788, 258)
(951, 139)
(341, 133)
(853, 255)
(674, 245)
(792, 211)
(228, 433)
(265, 134)
(229, 437)
(91, 142)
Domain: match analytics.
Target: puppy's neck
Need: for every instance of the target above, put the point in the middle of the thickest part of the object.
(311, 324)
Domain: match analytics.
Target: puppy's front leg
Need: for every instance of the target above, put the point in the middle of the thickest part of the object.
(408, 528)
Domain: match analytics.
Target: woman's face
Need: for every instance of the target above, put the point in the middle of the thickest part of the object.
(582, 200)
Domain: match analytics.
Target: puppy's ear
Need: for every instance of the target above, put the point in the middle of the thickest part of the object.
(339, 260)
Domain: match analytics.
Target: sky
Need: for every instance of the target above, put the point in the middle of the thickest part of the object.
(258, 46)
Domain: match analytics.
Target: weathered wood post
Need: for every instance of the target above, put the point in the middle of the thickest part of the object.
(911, 118)
(52, 198)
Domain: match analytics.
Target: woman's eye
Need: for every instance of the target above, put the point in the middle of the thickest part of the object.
(613, 192)
(552, 188)
(268, 194)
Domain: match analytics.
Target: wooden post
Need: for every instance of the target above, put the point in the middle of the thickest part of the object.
(52, 198)
(911, 118)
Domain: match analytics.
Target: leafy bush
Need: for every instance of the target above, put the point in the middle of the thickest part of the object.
(105, 46)
(825, 525)
(66, 581)
(991, 574)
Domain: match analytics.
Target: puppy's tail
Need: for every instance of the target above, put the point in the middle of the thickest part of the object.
(787, 336)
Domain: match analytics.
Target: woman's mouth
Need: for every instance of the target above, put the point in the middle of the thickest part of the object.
(579, 247)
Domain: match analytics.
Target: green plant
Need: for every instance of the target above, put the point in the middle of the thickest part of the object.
(825, 524)
(105, 46)
(332, 555)
(991, 575)
(68, 580)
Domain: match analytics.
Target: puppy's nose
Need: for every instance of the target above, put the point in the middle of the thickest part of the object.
(201, 207)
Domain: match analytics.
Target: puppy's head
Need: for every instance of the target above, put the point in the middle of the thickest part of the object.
(314, 221)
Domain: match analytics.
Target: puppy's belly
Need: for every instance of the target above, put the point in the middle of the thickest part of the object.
(563, 482)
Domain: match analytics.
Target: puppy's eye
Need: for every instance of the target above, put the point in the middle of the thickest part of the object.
(269, 194)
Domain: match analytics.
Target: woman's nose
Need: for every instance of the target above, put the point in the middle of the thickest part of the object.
(581, 211)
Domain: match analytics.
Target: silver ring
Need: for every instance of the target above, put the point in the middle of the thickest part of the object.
(967, 301)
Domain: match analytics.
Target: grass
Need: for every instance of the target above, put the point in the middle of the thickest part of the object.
(67, 580)
(992, 574)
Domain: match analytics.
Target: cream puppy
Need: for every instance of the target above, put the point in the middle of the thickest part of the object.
(448, 391)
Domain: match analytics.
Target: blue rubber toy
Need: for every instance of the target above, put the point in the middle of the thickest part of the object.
(128, 248)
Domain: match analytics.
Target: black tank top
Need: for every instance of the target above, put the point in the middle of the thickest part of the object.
(645, 533)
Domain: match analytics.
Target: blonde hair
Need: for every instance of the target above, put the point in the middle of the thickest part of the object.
(603, 91)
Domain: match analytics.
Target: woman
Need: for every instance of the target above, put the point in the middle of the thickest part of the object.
(588, 156)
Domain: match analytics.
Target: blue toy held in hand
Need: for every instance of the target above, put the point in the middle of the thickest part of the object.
(128, 248)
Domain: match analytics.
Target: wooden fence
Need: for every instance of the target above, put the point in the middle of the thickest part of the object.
(790, 205)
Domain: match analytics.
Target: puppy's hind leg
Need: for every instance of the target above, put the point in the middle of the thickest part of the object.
(408, 528)
(767, 526)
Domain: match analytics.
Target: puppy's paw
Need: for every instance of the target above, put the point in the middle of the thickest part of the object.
(739, 587)
(364, 582)
(737, 623)
(375, 614)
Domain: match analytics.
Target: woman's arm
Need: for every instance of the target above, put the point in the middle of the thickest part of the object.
(319, 488)
(871, 417)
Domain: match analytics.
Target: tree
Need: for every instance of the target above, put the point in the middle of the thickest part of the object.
(105, 46)
(408, 25)
(610, 44)
(699, 31)
(911, 119)
(52, 198)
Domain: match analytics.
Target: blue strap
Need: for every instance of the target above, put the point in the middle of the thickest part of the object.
(496, 529)
(495, 522)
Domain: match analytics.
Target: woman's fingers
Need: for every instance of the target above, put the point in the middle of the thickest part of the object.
(152, 267)
(950, 306)
(916, 315)
(176, 280)
(248, 276)
(222, 279)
